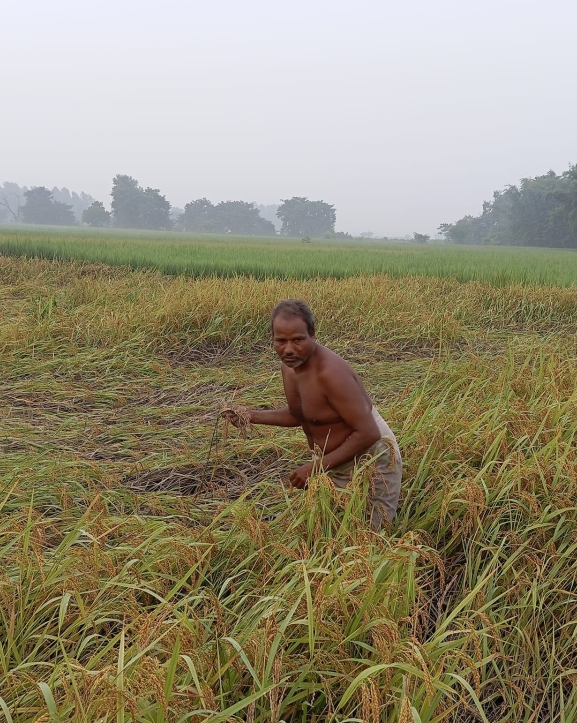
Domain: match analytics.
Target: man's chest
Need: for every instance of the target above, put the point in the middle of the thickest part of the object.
(308, 402)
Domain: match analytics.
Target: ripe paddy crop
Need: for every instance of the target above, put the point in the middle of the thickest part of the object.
(154, 571)
(204, 255)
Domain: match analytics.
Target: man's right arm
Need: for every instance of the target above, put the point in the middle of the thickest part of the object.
(275, 417)
(240, 416)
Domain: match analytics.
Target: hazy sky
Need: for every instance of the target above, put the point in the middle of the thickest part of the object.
(402, 114)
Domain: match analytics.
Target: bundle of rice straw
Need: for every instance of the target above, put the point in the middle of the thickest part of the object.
(238, 416)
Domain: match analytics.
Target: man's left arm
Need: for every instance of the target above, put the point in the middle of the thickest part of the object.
(345, 398)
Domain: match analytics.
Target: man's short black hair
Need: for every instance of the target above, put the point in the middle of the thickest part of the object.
(294, 307)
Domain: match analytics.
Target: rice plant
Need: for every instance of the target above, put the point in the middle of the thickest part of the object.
(205, 255)
(154, 570)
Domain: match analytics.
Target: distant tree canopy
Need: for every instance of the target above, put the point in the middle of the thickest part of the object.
(342, 235)
(268, 212)
(137, 207)
(96, 215)
(541, 211)
(197, 216)
(301, 217)
(78, 201)
(40, 207)
(13, 199)
(11, 202)
(146, 208)
(237, 217)
(420, 238)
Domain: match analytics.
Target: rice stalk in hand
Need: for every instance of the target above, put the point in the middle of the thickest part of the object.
(239, 417)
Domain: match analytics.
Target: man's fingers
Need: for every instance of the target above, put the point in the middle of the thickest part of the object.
(238, 416)
(297, 482)
(299, 477)
(231, 417)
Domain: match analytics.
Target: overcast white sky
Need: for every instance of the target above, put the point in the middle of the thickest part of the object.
(402, 114)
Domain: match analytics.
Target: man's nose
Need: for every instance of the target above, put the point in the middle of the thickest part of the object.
(288, 348)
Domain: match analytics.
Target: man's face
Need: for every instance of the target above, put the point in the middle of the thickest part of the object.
(292, 341)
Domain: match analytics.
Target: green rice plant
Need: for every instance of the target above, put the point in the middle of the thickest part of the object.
(225, 256)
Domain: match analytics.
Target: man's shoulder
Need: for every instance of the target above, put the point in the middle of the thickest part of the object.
(331, 363)
(329, 355)
(286, 371)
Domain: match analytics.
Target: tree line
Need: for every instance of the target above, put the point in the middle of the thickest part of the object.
(540, 211)
(58, 206)
(136, 207)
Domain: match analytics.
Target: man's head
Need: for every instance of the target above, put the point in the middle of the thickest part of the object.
(293, 332)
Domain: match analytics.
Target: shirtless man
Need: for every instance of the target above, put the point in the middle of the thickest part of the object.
(327, 399)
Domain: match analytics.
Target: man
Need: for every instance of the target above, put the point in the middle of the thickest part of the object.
(327, 399)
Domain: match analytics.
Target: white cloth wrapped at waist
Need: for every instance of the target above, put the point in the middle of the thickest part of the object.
(384, 493)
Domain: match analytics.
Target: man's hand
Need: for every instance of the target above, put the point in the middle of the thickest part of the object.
(300, 476)
(238, 416)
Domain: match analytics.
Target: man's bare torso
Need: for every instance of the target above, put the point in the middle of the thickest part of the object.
(305, 391)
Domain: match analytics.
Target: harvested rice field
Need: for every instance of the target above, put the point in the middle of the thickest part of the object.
(157, 567)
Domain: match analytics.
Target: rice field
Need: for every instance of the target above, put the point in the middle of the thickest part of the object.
(156, 567)
(205, 255)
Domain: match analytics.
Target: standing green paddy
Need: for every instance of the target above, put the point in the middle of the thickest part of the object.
(204, 255)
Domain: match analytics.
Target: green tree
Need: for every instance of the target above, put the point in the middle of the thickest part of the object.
(136, 207)
(420, 238)
(268, 212)
(96, 215)
(343, 235)
(126, 201)
(540, 211)
(41, 207)
(568, 199)
(460, 232)
(198, 216)
(241, 217)
(79, 201)
(155, 211)
(238, 217)
(301, 217)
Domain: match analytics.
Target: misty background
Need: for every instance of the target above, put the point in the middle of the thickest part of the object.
(403, 116)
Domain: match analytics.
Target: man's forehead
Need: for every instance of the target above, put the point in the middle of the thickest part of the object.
(287, 322)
